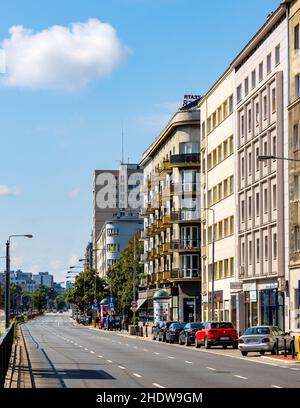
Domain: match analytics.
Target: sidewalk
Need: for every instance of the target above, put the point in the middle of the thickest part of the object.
(19, 370)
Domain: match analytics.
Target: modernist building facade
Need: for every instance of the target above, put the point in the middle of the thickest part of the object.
(217, 199)
(262, 196)
(113, 191)
(294, 179)
(114, 237)
(172, 221)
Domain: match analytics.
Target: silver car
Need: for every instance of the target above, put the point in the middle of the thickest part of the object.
(263, 338)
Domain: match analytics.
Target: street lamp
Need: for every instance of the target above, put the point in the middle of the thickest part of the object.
(271, 157)
(7, 278)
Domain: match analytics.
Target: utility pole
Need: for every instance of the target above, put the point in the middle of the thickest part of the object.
(7, 287)
(134, 275)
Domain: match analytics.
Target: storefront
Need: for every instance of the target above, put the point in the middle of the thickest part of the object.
(272, 308)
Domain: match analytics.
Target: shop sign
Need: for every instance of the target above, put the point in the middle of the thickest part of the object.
(248, 287)
(253, 296)
(236, 286)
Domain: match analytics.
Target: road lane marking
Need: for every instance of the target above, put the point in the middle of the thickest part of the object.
(92, 352)
(100, 356)
(171, 357)
(241, 377)
(80, 346)
(210, 368)
(156, 353)
(137, 375)
(135, 347)
(145, 350)
(296, 369)
(122, 368)
(86, 349)
(188, 362)
(109, 361)
(158, 385)
(275, 386)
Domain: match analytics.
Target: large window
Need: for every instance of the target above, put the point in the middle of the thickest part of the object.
(277, 54)
(296, 37)
(296, 188)
(297, 238)
(190, 266)
(296, 138)
(297, 86)
(189, 148)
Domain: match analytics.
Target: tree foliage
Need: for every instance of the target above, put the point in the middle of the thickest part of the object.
(83, 291)
(40, 298)
(121, 278)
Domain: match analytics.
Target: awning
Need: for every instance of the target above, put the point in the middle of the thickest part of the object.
(140, 302)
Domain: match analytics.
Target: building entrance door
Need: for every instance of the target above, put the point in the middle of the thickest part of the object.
(189, 309)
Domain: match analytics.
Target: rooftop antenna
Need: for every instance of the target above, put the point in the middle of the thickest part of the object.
(122, 144)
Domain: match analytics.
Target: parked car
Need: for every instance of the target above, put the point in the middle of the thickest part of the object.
(172, 334)
(155, 330)
(263, 338)
(187, 335)
(164, 326)
(217, 334)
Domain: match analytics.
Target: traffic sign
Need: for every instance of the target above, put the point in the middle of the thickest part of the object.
(134, 309)
(134, 304)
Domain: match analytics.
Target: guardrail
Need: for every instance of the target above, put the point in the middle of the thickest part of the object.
(6, 342)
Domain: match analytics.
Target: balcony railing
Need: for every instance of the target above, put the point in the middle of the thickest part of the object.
(186, 215)
(189, 158)
(185, 188)
(186, 245)
(185, 273)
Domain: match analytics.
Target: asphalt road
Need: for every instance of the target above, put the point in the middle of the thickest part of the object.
(63, 354)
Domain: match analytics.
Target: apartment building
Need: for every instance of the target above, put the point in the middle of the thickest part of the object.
(171, 287)
(294, 166)
(262, 201)
(114, 237)
(217, 200)
(113, 191)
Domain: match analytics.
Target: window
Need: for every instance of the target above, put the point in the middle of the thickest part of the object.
(269, 63)
(257, 250)
(250, 207)
(243, 210)
(273, 100)
(297, 86)
(265, 152)
(246, 85)
(225, 149)
(257, 161)
(226, 227)
(249, 120)
(231, 185)
(257, 204)
(261, 71)
(274, 147)
(257, 113)
(231, 104)
(239, 93)
(297, 238)
(296, 37)
(249, 163)
(266, 247)
(265, 107)
(243, 253)
(277, 54)
(250, 252)
(296, 138)
(242, 126)
(243, 167)
(203, 130)
(296, 188)
(231, 225)
(265, 200)
(253, 79)
(275, 246)
(225, 188)
(274, 192)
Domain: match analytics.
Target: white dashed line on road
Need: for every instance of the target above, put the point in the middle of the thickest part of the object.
(188, 362)
(157, 385)
(156, 353)
(145, 350)
(100, 356)
(275, 386)
(86, 349)
(137, 375)
(210, 368)
(92, 352)
(171, 357)
(295, 369)
(122, 368)
(241, 377)
(109, 361)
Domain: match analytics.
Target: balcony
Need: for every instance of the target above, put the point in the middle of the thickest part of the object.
(166, 168)
(185, 216)
(192, 188)
(166, 247)
(188, 245)
(184, 273)
(189, 159)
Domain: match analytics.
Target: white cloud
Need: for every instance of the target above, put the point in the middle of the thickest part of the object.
(74, 193)
(9, 191)
(62, 57)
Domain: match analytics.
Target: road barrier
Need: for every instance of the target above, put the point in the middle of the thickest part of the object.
(6, 342)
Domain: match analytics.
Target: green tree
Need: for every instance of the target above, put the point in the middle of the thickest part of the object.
(40, 298)
(83, 291)
(59, 302)
(121, 280)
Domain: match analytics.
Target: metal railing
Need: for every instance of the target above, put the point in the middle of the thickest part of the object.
(185, 158)
(6, 342)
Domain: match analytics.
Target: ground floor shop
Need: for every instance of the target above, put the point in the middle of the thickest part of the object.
(294, 307)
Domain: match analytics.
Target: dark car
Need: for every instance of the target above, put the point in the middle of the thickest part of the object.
(217, 334)
(187, 335)
(172, 334)
(164, 326)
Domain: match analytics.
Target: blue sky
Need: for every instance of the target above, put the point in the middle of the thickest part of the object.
(52, 138)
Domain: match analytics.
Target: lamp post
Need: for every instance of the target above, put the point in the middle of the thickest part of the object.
(7, 278)
(271, 157)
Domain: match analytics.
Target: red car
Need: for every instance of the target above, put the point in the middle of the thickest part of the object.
(217, 334)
